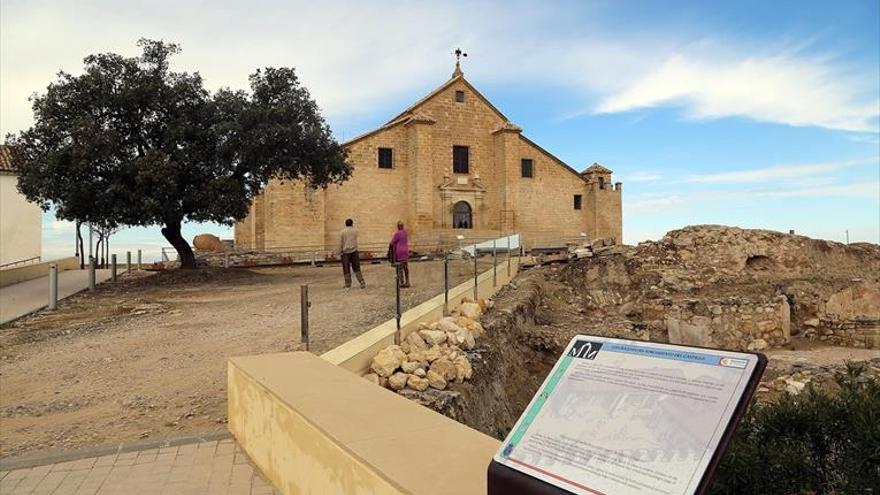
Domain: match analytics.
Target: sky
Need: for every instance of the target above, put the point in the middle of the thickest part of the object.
(749, 113)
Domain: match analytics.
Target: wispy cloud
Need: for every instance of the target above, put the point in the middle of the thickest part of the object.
(782, 88)
(643, 176)
(775, 172)
(654, 203)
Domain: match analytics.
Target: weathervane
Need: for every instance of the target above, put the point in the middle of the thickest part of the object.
(458, 54)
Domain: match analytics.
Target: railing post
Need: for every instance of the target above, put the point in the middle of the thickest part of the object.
(446, 284)
(494, 265)
(476, 276)
(397, 301)
(508, 257)
(92, 263)
(128, 262)
(304, 314)
(139, 259)
(53, 286)
(113, 267)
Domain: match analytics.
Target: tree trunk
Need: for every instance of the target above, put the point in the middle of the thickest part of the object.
(79, 247)
(171, 232)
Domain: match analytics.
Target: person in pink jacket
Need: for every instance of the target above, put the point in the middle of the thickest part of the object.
(400, 251)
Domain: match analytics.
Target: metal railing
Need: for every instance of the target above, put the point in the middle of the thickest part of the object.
(35, 259)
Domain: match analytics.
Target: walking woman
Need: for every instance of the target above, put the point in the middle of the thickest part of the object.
(400, 249)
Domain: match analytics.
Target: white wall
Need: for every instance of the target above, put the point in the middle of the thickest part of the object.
(21, 223)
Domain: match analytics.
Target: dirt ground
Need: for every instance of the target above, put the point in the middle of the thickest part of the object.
(146, 357)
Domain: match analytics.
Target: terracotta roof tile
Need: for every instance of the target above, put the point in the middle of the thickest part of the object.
(6, 159)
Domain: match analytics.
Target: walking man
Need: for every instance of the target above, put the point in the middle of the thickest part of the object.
(400, 250)
(348, 247)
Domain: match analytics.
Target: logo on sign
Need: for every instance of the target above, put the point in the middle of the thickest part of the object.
(584, 349)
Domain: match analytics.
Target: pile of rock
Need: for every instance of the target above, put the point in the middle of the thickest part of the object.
(433, 356)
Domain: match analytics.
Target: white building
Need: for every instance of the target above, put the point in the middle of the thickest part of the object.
(21, 222)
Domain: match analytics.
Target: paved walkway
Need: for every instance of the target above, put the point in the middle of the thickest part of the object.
(212, 467)
(19, 299)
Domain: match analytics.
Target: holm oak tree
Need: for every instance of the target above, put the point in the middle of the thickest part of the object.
(131, 142)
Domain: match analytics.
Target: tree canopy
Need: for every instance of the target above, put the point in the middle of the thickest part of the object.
(131, 142)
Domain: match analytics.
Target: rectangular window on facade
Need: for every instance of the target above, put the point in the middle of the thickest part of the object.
(459, 96)
(460, 160)
(386, 158)
(527, 167)
(577, 201)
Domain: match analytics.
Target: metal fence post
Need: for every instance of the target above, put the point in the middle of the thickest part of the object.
(128, 262)
(445, 284)
(113, 267)
(92, 263)
(508, 257)
(476, 276)
(397, 301)
(494, 265)
(304, 314)
(53, 286)
(139, 259)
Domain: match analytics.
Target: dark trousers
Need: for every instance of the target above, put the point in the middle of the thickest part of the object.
(352, 261)
(403, 275)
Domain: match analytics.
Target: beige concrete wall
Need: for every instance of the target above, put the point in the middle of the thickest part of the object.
(21, 223)
(356, 354)
(23, 273)
(312, 427)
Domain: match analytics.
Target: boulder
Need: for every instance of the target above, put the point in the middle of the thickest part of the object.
(448, 325)
(415, 342)
(436, 380)
(444, 368)
(464, 339)
(372, 377)
(470, 310)
(758, 345)
(417, 383)
(387, 360)
(398, 380)
(411, 366)
(474, 326)
(420, 372)
(463, 369)
(433, 337)
(433, 354)
(208, 243)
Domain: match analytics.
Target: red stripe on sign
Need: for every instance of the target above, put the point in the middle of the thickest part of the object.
(560, 478)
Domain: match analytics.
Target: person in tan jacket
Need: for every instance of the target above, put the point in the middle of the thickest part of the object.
(348, 249)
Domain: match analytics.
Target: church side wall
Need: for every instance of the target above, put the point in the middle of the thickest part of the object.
(294, 215)
(375, 198)
(545, 202)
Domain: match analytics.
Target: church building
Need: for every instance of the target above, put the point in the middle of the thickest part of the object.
(449, 164)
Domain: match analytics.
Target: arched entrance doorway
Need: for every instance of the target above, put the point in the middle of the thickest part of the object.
(462, 217)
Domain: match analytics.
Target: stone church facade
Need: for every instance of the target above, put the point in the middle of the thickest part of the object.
(450, 164)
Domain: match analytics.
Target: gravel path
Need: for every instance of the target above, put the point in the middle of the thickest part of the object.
(146, 357)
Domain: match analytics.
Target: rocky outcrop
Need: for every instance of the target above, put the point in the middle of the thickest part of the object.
(734, 288)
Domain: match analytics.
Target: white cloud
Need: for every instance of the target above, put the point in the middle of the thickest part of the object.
(782, 88)
(357, 57)
(643, 176)
(659, 203)
(776, 172)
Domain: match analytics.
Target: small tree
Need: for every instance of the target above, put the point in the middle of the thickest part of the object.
(130, 142)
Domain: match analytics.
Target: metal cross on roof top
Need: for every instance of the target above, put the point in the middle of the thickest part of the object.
(458, 54)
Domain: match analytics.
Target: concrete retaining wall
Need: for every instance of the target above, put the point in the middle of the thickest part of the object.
(14, 275)
(356, 354)
(313, 427)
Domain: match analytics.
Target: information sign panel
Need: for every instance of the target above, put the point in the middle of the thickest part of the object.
(621, 417)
